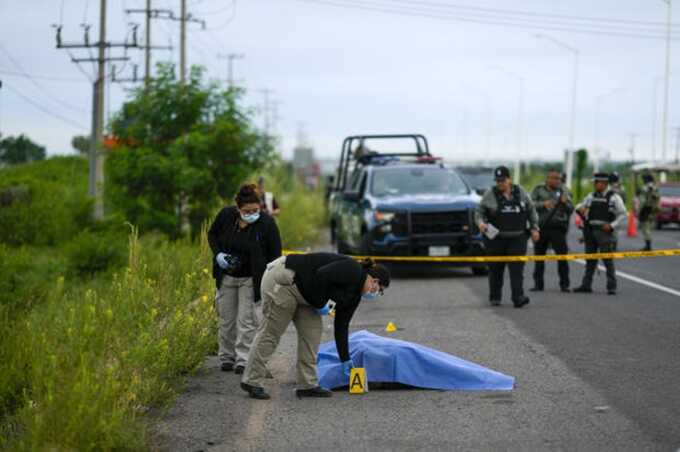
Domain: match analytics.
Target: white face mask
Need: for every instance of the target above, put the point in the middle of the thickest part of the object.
(251, 218)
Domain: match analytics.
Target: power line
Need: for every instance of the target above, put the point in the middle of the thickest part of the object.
(420, 12)
(531, 13)
(51, 78)
(40, 107)
(21, 69)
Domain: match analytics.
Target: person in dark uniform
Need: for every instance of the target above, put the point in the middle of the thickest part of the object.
(554, 206)
(504, 215)
(603, 211)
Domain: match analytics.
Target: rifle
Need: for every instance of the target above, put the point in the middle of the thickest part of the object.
(552, 213)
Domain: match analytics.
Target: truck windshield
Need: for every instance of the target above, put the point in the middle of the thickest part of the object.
(417, 181)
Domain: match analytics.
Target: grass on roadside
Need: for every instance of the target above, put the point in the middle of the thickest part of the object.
(83, 367)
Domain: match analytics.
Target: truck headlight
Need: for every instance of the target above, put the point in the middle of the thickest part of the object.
(383, 217)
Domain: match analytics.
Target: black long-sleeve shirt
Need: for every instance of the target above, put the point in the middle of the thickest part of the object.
(326, 276)
(225, 237)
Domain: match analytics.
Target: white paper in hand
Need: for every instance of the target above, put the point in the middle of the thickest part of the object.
(491, 231)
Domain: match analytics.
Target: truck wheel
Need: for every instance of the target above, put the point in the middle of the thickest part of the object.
(659, 226)
(342, 247)
(480, 271)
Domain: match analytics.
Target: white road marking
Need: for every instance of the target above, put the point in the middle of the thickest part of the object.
(638, 280)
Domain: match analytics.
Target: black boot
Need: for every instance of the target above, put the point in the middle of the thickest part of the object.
(648, 245)
(255, 392)
(583, 289)
(313, 392)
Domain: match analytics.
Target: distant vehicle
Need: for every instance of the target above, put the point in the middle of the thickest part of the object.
(670, 205)
(401, 203)
(480, 178)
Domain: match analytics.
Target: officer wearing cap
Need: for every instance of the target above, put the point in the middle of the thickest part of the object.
(650, 199)
(603, 211)
(554, 206)
(504, 215)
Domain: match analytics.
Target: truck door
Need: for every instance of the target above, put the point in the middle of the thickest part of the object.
(352, 209)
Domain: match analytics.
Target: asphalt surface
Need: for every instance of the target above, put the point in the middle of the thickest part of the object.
(593, 372)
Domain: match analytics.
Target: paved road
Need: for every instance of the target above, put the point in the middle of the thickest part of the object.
(592, 373)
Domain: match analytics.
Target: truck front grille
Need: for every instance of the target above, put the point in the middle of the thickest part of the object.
(439, 222)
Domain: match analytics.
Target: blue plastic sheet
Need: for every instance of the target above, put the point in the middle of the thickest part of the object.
(394, 361)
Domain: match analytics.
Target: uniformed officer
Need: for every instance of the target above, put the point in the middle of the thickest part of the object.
(603, 211)
(554, 206)
(649, 207)
(616, 187)
(508, 210)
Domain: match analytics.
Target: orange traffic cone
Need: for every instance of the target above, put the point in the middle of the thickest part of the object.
(578, 221)
(632, 225)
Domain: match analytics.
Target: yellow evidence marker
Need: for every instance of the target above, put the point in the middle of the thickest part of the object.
(391, 327)
(357, 381)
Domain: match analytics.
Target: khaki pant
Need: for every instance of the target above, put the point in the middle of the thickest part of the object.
(283, 303)
(239, 318)
(647, 227)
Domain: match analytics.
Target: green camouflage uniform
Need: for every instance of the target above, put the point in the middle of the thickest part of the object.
(649, 207)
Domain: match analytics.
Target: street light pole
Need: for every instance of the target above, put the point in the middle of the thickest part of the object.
(598, 107)
(664, 132)
(657, 80)
(572, 122)
(520, 122)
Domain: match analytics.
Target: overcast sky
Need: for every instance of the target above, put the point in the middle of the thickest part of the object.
(347, 69)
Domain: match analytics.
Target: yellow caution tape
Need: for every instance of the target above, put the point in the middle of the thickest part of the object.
(528, 258)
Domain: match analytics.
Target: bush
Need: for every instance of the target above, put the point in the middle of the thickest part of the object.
(44, 203)
(303, 211)
(89, 253)
(93, 359)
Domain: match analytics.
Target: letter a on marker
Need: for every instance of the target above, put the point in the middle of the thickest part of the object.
(358, 381)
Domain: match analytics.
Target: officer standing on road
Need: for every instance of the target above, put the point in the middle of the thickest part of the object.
(603, 211)
(616, 187)
(503, 216)
(299, 288)
(649, 207)
(554, 206)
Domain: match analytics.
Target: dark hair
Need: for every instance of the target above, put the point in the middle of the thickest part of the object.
(377, 271)
(247, 194)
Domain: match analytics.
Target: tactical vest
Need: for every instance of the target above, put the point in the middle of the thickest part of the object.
(600, 211)
(512, 214)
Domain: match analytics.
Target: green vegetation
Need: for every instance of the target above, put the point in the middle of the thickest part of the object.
(182, 147)
(15, 150)
(100, 326)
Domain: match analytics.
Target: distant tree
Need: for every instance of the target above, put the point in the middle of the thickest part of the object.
(182, 147)
(15, 150)
(81, 143)
(581, 167)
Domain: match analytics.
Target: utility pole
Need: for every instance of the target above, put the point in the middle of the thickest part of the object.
(96, 174)
(183, 41)
(632, 147)
(0, 108)
(149, 14)
(230, 57)
(677, 145)
(266, 107)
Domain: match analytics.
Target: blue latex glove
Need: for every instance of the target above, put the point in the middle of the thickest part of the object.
(347, 367)
(222, 260)
(325, 310)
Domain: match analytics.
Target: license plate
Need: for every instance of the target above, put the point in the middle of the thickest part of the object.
(439, 250)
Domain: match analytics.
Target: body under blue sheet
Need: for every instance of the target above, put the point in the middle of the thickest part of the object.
(394, 361)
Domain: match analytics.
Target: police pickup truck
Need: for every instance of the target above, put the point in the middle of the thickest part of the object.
(401, 203)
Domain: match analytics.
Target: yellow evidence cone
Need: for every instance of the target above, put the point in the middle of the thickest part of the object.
(391, 327)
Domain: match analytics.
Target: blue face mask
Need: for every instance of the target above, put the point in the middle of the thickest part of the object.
(370, 296)
(252, 218)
